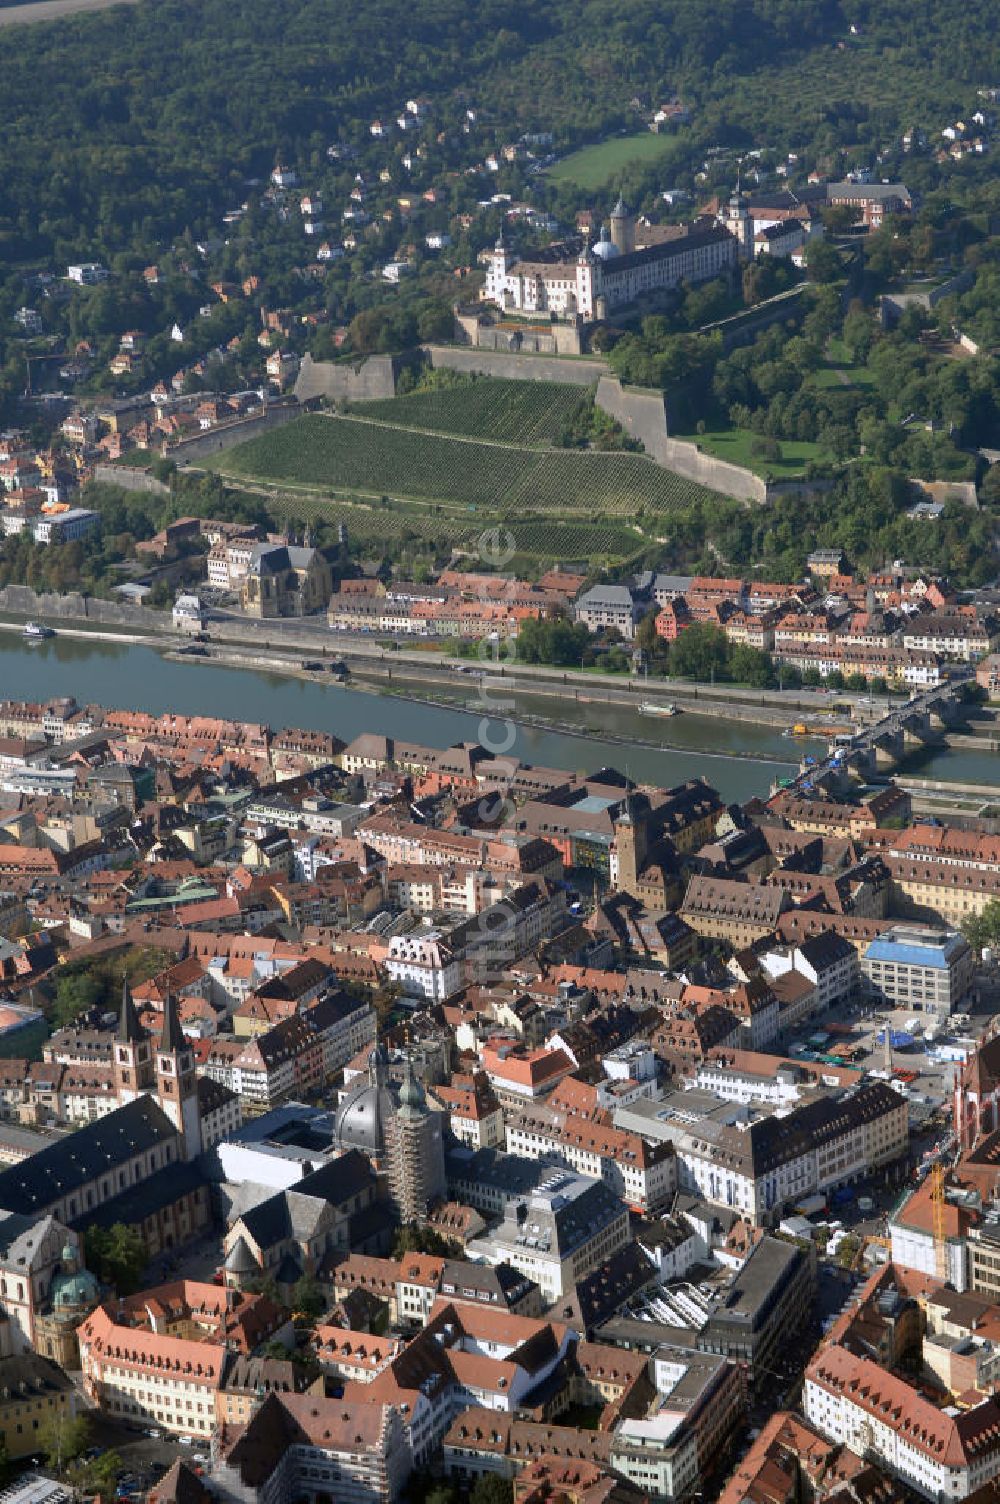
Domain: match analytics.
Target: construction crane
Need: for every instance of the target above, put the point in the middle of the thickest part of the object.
(938, 1203)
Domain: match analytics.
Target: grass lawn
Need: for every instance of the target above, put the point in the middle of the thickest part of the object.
(734, 444)
(592, 167)
(839, 369)
(831, 375)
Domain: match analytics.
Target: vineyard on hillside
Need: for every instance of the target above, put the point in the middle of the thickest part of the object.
(372, 459)
(516, 412)
(377, 526)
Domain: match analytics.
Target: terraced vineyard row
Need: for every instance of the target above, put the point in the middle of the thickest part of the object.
(533, 539)
(518, 412)
(345, 454)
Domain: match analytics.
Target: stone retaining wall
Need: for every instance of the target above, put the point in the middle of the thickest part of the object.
(371, 378)
(643, 415)
(22, 600)
(130, 479)
(214, 440)
(577, 372)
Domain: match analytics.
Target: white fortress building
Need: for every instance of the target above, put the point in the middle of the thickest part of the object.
(622, 267)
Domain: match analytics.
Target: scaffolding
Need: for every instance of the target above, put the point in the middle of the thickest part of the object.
(938, 1202)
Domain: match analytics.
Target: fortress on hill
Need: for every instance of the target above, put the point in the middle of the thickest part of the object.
(587, 281)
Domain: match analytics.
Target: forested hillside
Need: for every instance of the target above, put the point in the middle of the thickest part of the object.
(146, 135)
(124, 127)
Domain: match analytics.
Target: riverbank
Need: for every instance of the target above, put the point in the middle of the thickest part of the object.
(502, 704)
(566, 704)
(311, 638)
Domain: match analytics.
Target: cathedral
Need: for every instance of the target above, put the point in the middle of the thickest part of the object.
(624, 265)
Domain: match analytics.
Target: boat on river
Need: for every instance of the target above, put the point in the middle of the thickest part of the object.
(37, 632)
(650, 707)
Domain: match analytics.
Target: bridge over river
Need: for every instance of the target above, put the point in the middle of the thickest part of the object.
(879, 748)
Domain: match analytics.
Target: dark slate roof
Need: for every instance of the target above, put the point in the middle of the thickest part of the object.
(703, 233)
(132, 1206)
(130, 1031)
(29, 1375)
(340, 1179)
(602, 1293)
(289, 1271)
(212, 1095)
(239, 1259)
(12, 1228)
(825, 949)
(64, 1167)
(172, 1039)
(270, 1221)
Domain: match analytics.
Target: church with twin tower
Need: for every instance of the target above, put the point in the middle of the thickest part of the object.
(163, 1070)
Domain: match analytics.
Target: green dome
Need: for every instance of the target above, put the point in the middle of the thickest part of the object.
(72, 1291)
(411, 1094)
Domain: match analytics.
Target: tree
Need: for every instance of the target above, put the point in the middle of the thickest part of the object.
(308, 1297)
(838, 218)
(62, 1437)
(823, 262)
(983, 929)
(117, 1255)
(416, 1239)
(492, 1489)
(646, 636)
(96, 1475)
(859, 332)
(76, 991)
(748, 665)
(699, 652)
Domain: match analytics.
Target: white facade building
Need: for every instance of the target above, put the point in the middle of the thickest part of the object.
(609, 275)
(423, 966)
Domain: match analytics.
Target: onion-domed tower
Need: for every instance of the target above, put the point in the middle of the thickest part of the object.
(415, 1152)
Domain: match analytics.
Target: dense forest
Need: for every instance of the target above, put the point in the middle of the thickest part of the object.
(122, 130)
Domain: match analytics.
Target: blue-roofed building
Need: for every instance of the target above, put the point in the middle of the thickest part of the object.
(913, 966)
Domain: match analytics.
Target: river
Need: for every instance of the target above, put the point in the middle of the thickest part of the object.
(739, 758)
(123, 674)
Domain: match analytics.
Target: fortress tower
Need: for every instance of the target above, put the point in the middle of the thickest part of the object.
(622, 228)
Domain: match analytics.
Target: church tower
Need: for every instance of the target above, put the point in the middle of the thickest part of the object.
(496, 277)
(736, 218)
(622, 228)
(628, 853)
(133, 1058)
(415, 1152)
(588, 270)
(176, 1081)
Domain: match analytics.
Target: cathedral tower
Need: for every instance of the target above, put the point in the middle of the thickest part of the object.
(176, 1081)
(133, 1056)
